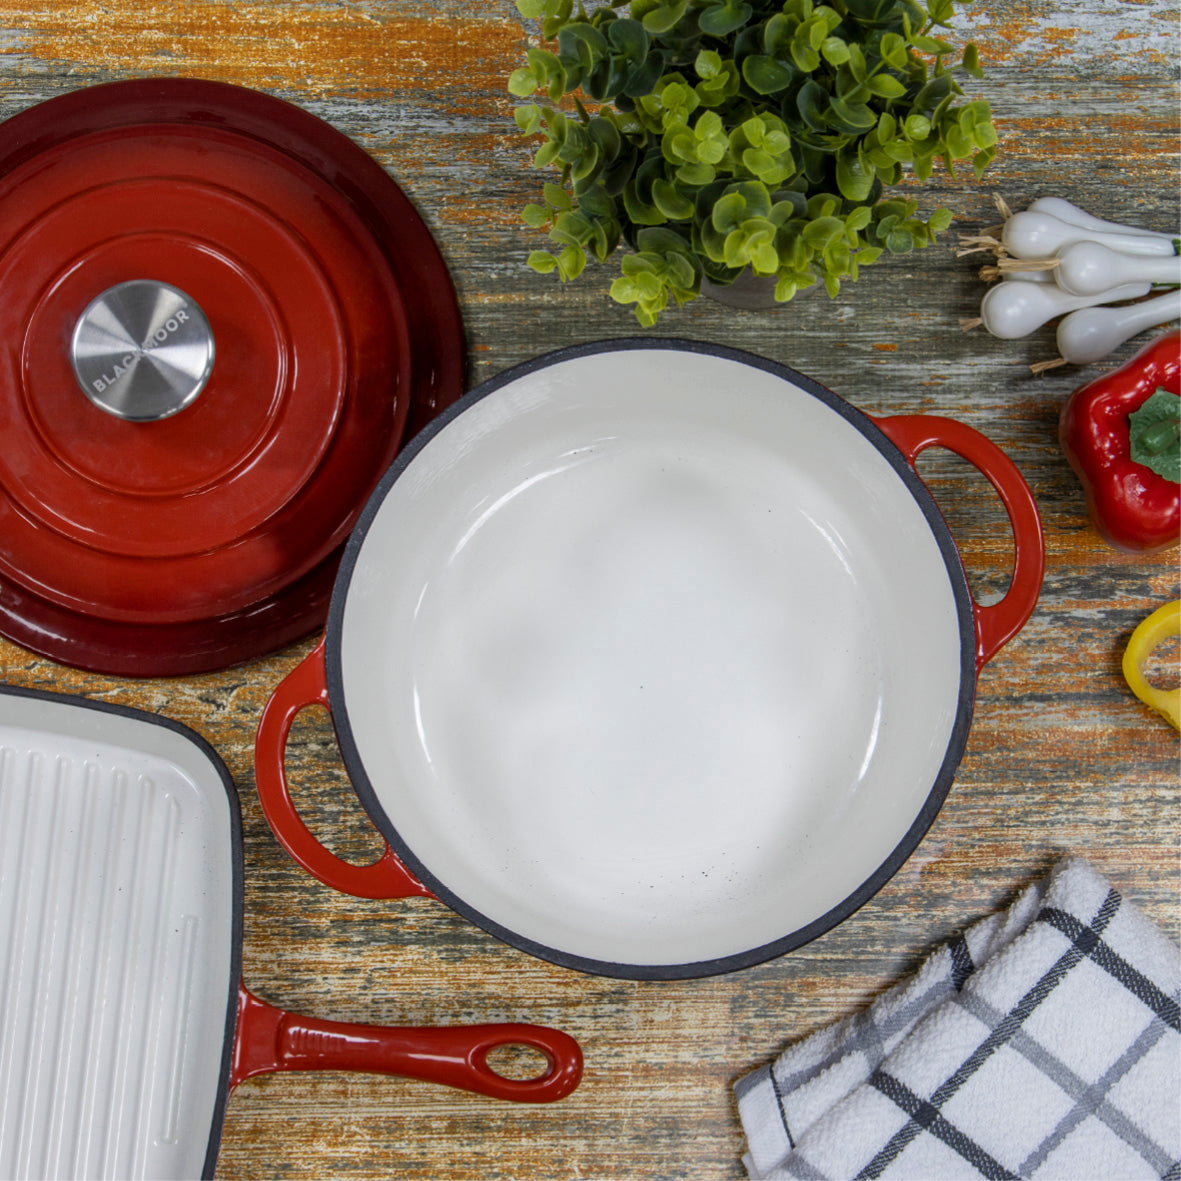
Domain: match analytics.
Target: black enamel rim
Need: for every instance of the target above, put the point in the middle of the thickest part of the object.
(469, 908)
(236, 862)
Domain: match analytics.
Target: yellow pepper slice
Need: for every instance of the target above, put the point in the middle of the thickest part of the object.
(1161, 625)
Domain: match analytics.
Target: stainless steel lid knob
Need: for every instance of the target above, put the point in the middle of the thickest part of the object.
(142, 350)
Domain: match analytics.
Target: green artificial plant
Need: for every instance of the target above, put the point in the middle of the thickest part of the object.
(712, 136)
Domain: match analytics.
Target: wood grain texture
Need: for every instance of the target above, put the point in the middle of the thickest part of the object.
(1061, 757)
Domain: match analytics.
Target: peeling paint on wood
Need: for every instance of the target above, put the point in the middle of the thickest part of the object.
(307, 48)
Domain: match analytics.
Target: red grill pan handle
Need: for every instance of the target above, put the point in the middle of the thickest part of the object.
(306, 685)
(269, 1039)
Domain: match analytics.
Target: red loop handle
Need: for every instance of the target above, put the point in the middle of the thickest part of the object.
(997, 624)
(307, 685)
(268, 1039)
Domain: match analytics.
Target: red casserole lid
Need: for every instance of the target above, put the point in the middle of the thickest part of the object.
(330, 323)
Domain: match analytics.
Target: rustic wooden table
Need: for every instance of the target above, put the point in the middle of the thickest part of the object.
(1061, 758)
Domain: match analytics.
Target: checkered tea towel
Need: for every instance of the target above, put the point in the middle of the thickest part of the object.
(1043, 1042)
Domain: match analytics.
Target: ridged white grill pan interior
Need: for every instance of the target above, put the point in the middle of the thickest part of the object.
(118, 944)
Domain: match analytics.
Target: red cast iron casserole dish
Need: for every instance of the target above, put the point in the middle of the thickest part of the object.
(653, 658)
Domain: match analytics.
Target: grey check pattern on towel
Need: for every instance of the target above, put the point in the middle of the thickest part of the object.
(1042, 1042)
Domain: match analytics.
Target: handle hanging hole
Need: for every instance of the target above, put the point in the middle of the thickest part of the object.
(977, 520)
(322, 791)
(518, 1063)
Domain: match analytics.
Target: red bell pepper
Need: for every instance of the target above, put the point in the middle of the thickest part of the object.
(1128, 462)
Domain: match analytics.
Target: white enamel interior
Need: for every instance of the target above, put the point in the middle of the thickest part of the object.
(116, 936)
(650, 657)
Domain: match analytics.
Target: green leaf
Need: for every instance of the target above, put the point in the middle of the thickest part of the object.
(588, 166)
(857, 219)
(720, 89)
(939, 221)
(893, 49)
(661, 240)
(710, 241)
(640, 212)
(682, 276)
(603, 240)
(723, 18)
(535, 216)
(554, 15)
(708, 64)
(528, 118)
(605, 136)
(838, 258)
(957, 145)
(971, 61)
(752, 132)
(522, 83)
(570, 229)
(916, 127)
(531, 9)
(886, 86)
(637, 265)
(756, 196)
(858, 67)
(678, 101)
(941, 11)
(644, 77)
(766, 75)
(665, 16)
(679, 145)
(571, 263)
(932, 45)
(812, 104)
(834, 51)
(630, 38)
(786, 288)
(596, 203)
(769, 169)
(804, 56)
(819, 233)
(932, 93)
(546, 154)
(624, 290)
(728, 212)
(854, 180)
(581, 44)
(712, 141)
(670, 201)
(696, 175)
(547, 71)
(855, 118)
(764, 258)
(778, 30)
(542, 261)
(1155, 433)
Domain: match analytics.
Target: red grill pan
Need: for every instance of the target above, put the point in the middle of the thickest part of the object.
(124, 1025)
